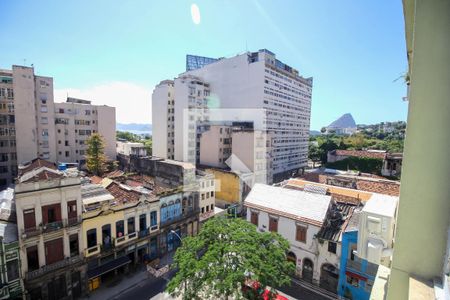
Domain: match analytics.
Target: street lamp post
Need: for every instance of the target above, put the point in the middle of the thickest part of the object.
(177, 235)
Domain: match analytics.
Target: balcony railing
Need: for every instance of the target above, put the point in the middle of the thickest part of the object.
(92, 251)
(30, 232)
(73, 221)
(53, 226)
(187, 214)
(143, 233)
(52, 267)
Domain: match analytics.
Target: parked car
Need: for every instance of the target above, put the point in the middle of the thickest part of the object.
(252, 290)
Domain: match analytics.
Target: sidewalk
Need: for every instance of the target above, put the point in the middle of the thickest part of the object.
(125, 282)
(106, 291)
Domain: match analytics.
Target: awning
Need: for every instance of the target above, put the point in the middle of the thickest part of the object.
(109, 266)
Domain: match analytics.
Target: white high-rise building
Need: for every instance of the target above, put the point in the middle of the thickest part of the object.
(254, 82)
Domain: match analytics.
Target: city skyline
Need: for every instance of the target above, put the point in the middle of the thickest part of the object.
(110, 55)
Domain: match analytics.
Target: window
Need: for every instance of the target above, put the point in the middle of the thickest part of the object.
(331, 247)
(153, 218)
(119, 229)
(44, 108)
(273, 224)
(212, 194)
(66, 143)
(254, 218)
(130, 224)
(44, 120)
(212, 206)
(12, 268)
(44, 132)
(300, 234)
(73, 242)
(203, 210)
(32, 258)
(29, 219)
(91, 235)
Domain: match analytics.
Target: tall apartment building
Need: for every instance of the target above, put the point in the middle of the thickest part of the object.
(75, 121)
(163, 118)
(33, 125)
(251, 81)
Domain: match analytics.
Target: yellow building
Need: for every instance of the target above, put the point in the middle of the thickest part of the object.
(231, 188)
(120, 226)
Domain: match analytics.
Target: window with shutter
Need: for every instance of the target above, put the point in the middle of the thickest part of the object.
(301, 234)
(29, 219)
(254, 218)
(273, 224)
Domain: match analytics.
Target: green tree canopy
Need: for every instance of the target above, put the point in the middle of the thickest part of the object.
(216, 262)
(95, 158)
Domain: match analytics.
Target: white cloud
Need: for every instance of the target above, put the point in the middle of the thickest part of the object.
(132, 102)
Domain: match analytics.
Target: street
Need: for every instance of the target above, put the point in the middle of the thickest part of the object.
(153, 289)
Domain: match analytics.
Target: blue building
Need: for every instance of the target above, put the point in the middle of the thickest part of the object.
(356, 275)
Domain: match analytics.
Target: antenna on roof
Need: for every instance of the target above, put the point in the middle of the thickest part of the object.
(24, 61)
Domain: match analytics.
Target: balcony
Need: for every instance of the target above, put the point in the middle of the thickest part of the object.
(69, 222)
(143, 233)
(124, 239)
(30, 232)
(187, 214)
(53, 226)
(92, 251)
(50, 268)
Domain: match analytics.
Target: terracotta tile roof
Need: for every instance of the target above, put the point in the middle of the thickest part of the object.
(359, 153)
(96, 179)
(35, 164)
(113, 174)
(339, 194)
(44, 175)
(123, 195)
(372, 184)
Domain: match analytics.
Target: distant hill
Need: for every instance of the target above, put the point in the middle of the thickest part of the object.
(134, 127)
(345, 121)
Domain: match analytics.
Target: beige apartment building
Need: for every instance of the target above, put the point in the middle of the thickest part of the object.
(49, 209)
(237, 146)
(75, 121)
(32, 125)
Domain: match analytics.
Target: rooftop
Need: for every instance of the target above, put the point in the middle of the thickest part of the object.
(9, 232)
(35, 164)
(7, 205)
(333, 190)
(94, 193)
(360, 153)
(382, 205)
(303, 206)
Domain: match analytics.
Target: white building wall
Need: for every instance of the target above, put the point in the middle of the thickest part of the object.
(162, 130)
(287, 228)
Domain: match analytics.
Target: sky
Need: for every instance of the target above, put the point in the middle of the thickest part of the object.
(114, 53)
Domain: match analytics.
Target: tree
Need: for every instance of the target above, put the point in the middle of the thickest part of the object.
(128, 136)
(326, 146)
(226, 252)
(314, 153)
(95, 158)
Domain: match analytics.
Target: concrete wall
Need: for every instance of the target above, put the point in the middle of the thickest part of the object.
(27, 135)
(106, 119)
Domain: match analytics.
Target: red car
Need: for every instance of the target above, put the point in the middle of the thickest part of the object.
(252, 290)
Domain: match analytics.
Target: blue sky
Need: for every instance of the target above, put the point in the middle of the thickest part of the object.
(116, 52)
